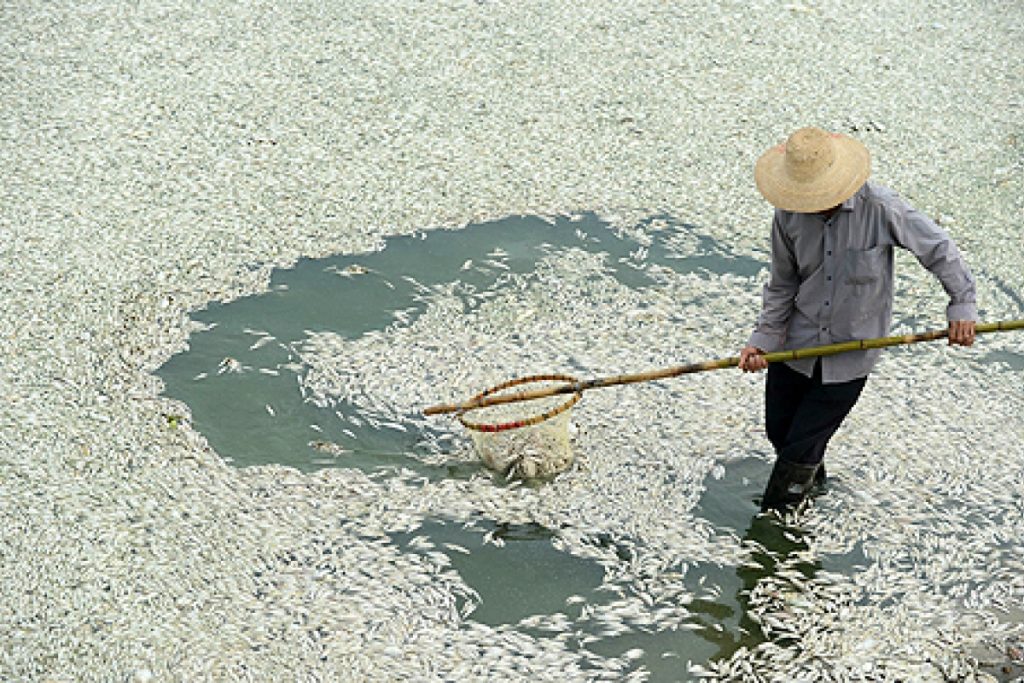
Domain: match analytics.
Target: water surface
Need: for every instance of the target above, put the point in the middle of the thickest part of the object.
(242, 379)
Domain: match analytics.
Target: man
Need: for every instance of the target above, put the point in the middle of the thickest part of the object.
(831, 281)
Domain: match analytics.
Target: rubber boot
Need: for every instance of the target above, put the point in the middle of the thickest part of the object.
(788, 485)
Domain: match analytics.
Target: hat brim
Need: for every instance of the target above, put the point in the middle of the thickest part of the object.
(850, 167)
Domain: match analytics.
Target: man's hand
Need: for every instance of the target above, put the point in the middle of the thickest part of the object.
(961, 332)
(752, 359)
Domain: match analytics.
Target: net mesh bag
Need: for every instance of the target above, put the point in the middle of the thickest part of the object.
(528, 439)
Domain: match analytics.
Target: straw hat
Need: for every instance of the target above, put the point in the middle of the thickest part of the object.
(812, 171)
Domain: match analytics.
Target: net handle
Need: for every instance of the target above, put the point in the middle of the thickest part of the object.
(492, 427)
(574, 386)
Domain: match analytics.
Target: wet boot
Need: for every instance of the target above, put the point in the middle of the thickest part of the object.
(788, 485)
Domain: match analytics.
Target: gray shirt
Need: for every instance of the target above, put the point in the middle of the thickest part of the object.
(832, 281)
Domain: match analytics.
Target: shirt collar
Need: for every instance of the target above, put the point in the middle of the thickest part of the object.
(849, 203)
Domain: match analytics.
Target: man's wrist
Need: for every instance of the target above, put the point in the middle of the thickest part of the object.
(965, 311)
(764, 342)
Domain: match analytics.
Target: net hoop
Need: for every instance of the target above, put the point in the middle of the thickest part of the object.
(491, 427)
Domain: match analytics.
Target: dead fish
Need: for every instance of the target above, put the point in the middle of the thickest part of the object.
(329, 447)
(352, 270)
(261, 342)
(229, 365)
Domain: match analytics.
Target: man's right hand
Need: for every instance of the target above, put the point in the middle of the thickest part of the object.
(752, 359)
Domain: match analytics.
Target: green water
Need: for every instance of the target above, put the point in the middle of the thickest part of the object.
(230, 409)
(528, 576)
(260, 416)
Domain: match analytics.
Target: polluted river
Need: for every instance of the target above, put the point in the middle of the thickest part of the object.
(245, 246)
(647, 557)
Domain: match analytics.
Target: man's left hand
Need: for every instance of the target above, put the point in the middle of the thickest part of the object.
(961, 332)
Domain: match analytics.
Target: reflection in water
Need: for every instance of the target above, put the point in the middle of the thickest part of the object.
(773, 545)
(777, 552)
(523, 580)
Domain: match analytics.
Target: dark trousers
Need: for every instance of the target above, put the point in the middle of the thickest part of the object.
(802, 414)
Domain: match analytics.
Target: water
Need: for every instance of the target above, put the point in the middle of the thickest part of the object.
(231, 408)
(527, 577)
(524, 576)
(243, 380)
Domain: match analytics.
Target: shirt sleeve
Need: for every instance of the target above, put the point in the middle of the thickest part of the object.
(937, 252)
(779, 294)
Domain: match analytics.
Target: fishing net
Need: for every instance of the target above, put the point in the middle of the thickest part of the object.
(523, 430)
(528, 439)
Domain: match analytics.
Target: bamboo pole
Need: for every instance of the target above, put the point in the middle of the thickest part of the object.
(675, 371)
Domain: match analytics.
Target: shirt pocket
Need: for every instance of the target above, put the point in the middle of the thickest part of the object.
(864, 267)
(864, 296)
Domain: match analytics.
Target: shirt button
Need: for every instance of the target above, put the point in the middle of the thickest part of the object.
(826, 303)
(829, 252)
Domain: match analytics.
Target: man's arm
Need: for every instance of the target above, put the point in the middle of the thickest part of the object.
(937, 252)
(777, 302)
